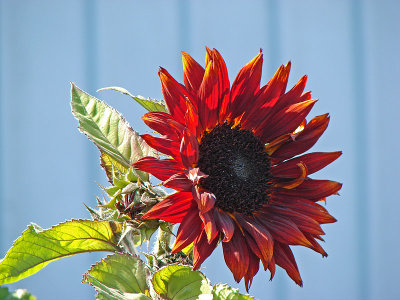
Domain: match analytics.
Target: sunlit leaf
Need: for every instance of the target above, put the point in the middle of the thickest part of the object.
(176, 282)
(120, 275)
(225, 292)
(37, 247)
(149, 104)
(109, 131)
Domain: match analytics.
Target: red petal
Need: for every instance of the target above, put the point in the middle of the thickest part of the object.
(304, 140)
(306, 207)
(260, 235)
(205, 201)
(210, 227)
(193, 73)
(192, 120)
(284, 121)
(312, 189)
(245, 86)
(188, 231)
(189, 150)
(202, 249)
(283, 230)
(175, 95)
(164, 145)
(164, 124)
(224, 224)
(285, 259)
(314, 162)
(254, 263)
(293, 96)
(160, 168)
(171, 209)
(179, 182)
(316, 246)
(267, 98)
(305, 223)
(213, 90)
(236, 255)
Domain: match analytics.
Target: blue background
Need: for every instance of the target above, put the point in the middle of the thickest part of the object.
(349, 49)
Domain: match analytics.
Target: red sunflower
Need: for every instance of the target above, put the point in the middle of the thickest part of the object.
(234, 159)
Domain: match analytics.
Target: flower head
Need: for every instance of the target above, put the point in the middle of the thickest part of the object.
(235, 159)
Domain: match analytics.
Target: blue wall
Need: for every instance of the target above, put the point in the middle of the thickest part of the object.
(349, 49)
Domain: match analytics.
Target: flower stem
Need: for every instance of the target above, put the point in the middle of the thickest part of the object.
(162, 244)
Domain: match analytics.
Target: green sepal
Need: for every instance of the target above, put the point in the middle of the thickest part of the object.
(176, 282)
(38, 247)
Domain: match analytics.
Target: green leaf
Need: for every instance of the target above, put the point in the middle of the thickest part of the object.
(225, 292)
(109, 131)
(149, 104)
(119, 272)
(19, 294)
(37, 247)
(176, 282)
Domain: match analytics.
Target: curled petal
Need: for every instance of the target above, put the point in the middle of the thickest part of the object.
(225, 224)
(313, 161)
(312, 189)
(304, 140)
(210, 227)
(189, 149)
(291, 184)
(205, 201)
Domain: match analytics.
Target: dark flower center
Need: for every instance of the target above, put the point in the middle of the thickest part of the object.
(237, 167)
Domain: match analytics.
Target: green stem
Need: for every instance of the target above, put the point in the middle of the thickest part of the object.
(162, 244)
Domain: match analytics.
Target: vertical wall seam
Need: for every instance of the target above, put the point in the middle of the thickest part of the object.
(1, 131)
(184, 25)
(91, 79)
(360, 144)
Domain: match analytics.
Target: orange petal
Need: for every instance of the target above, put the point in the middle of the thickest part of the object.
(193, 73)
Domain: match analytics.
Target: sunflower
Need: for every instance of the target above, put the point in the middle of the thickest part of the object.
(233, 156)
